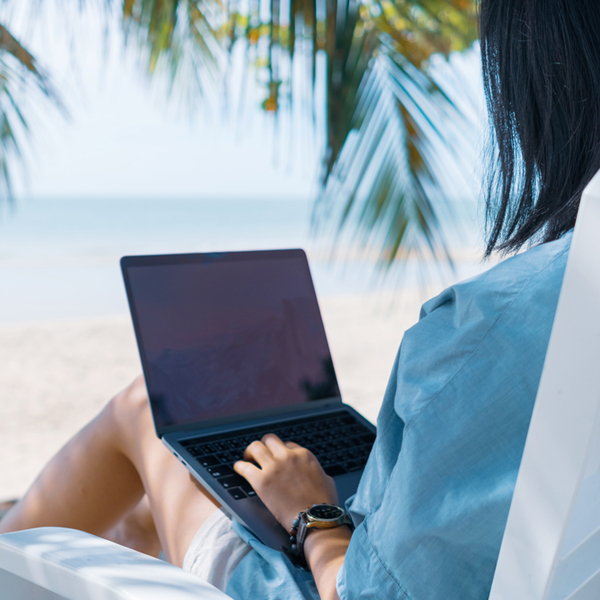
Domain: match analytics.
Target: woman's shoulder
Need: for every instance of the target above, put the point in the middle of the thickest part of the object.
(539, 267)
(500, 317)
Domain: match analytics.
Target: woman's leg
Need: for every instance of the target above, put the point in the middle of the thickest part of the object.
(102, 473)
(137, 530)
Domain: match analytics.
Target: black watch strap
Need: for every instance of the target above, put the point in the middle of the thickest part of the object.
(300, 538)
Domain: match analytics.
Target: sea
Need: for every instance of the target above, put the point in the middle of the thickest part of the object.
(59, 258)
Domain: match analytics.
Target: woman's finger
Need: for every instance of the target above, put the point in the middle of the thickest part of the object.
(248, 471)
(258, 453)
(292, 445)
(275, 445)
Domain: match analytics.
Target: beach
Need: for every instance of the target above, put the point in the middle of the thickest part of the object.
(57, 375)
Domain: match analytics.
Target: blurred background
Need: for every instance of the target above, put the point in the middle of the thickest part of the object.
(352, 129)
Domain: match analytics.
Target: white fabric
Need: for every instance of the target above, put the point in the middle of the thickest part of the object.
(215, 551)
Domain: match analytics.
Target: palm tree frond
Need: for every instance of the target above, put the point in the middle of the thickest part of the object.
(10, 46)
(21, 79)
(387, 118)
(384, 173)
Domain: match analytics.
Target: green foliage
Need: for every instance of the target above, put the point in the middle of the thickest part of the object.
(20, 79)
(385, 113)
(385, 116)
(186, 33)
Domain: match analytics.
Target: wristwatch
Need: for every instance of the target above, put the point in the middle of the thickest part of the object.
(318, 516)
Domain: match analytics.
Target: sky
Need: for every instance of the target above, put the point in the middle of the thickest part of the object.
(125, 137)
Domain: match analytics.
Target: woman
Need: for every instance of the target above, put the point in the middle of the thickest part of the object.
(431, 507)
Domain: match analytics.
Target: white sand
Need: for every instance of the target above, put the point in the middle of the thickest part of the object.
(54, 377)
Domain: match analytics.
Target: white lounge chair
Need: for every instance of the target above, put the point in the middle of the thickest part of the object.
(551, 547)
(51, 563)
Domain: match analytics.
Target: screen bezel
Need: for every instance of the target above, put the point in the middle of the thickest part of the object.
(128, 262)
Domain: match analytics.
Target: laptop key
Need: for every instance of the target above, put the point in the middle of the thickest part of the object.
(208, 461)
(352, 466)
(334, 470)
(368, 438)
(232, 481)
(355, 452)
(237, 493)
(209, 448)
(248, 489)
(244, 441)
(220, 471)
(351, 430)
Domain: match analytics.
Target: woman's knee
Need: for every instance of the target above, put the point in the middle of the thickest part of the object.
(128, 413)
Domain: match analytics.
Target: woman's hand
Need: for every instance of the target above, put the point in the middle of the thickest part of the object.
(288, 478)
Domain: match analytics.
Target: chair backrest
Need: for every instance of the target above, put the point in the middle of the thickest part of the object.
(551, 546)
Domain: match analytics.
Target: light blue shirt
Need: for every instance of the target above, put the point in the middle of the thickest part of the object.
(432, 504)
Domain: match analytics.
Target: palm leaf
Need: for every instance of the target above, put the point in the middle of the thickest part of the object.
(185, 35)
(386, 117)
(385, 113)
(385, 176)
(21, 81)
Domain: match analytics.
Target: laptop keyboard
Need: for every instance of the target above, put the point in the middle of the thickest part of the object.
(340, 442)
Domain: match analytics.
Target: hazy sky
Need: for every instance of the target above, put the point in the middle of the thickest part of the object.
(124, 137)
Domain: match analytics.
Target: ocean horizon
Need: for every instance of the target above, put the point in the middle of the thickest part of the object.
(59, 258)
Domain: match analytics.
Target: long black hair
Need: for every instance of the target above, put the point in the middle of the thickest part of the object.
(541, 70)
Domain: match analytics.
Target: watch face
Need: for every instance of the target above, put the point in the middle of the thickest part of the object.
(325, 512)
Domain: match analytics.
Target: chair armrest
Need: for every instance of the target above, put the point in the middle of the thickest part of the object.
(52, 563)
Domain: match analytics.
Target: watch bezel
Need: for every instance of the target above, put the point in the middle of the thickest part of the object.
(315, 519)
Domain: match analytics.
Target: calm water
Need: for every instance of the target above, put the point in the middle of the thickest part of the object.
(100, 228)
(60, 258)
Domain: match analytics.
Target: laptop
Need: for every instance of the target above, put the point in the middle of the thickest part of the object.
(233, 346)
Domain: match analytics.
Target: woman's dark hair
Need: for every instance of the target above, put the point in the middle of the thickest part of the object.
(541, 70)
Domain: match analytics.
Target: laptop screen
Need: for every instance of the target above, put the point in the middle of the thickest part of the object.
(226, 334)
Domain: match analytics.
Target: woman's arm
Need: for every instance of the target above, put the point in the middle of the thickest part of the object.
(325, 550)
(289, 479)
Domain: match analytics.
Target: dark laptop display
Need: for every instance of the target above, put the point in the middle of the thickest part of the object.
(226, 334)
